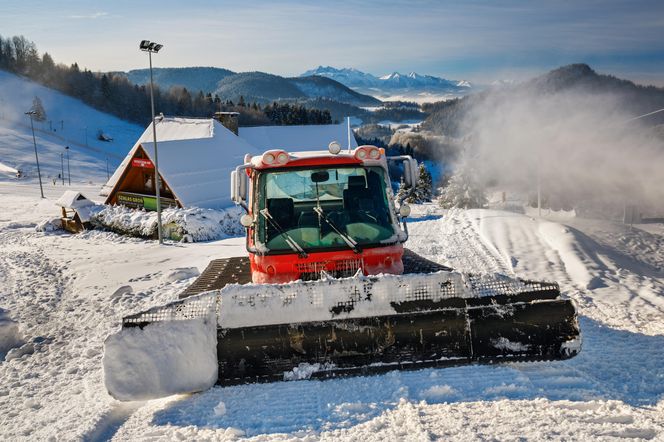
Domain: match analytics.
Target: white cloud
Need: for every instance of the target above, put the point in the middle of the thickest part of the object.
(90, 16)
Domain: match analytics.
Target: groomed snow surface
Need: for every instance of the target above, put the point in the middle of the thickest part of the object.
(67, 293)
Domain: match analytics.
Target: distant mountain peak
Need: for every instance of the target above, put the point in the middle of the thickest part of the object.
(574, 70)
(395, 83)
(391, 76)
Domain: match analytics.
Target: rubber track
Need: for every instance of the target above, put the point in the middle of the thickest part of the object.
(218, 274)
(236, 270)
(414, 263)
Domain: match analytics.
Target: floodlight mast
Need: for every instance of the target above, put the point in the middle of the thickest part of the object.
(150, 47)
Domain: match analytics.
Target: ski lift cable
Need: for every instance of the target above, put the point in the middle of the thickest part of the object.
(645, 115)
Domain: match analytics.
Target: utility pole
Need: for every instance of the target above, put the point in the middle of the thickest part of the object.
(68, 169)
(108, 174)
(34, 141)
(62, 167)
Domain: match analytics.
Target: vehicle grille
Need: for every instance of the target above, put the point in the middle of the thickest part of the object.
(343, 268)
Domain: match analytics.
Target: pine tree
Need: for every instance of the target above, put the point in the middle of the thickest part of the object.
(463, 191)
(402, 191)
(423, 188)
(423, 191)
(38, 108)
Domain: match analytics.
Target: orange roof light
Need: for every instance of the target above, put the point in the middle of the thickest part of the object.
(275, 158)
(363, 153)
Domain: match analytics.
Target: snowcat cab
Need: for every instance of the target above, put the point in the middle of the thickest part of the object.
(319, 213)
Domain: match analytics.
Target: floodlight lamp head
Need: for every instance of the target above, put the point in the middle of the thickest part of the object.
(144, 45)
(31, 112)
(157, 47)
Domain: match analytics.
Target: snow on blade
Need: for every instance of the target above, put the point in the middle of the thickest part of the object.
(505, 344)
(162, 359)
(267, 304)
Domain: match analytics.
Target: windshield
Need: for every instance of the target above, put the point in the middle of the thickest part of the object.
(324, 208)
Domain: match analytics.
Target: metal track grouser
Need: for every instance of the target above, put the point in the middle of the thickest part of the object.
(328, 289)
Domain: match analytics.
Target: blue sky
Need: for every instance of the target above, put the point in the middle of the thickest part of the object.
(477, 40)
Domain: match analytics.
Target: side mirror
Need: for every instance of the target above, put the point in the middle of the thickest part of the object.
(410, 172)
(238, 186)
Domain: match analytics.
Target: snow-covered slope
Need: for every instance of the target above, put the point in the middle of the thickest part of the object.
(68, 122)
(67, 293)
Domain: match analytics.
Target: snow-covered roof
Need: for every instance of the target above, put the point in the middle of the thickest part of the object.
(168, 129)
(198, 171)
(177, 128)
(196, 157)
(72, 199)
(294, 138)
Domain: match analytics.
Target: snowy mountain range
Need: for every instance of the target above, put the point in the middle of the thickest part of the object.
(261, 87)
(395, 84)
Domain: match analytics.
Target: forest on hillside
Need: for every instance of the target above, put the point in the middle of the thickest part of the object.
(115, 94)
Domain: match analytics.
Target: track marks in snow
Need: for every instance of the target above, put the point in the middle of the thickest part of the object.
(58, 372)
(611, 284)
(454, 240)
(111, 421)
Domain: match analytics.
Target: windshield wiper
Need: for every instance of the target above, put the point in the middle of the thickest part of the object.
(289, 239)
(347, 239)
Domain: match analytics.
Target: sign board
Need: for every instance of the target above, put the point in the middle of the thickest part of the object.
(147, 202)
(142, 162)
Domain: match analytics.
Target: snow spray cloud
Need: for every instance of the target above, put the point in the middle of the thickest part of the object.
(588, 153)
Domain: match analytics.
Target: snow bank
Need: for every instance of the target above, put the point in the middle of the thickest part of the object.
(162, 359)
(193, 224)
(9, 334)
(7, 169)
(49, 225)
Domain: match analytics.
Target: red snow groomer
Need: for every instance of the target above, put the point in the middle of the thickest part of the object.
(329, 286)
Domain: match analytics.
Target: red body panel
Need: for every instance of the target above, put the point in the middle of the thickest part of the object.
(275, 269)
(282, 268)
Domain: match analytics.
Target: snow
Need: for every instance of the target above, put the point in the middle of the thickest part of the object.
(72, 199)
(68, 122)
(8, 170)
(251, 305)
(161, 359)
(10, 337)
(67, 293)
(193, 224)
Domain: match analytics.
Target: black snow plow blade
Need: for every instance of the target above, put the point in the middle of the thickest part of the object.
(361, 325)
(446, 337)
